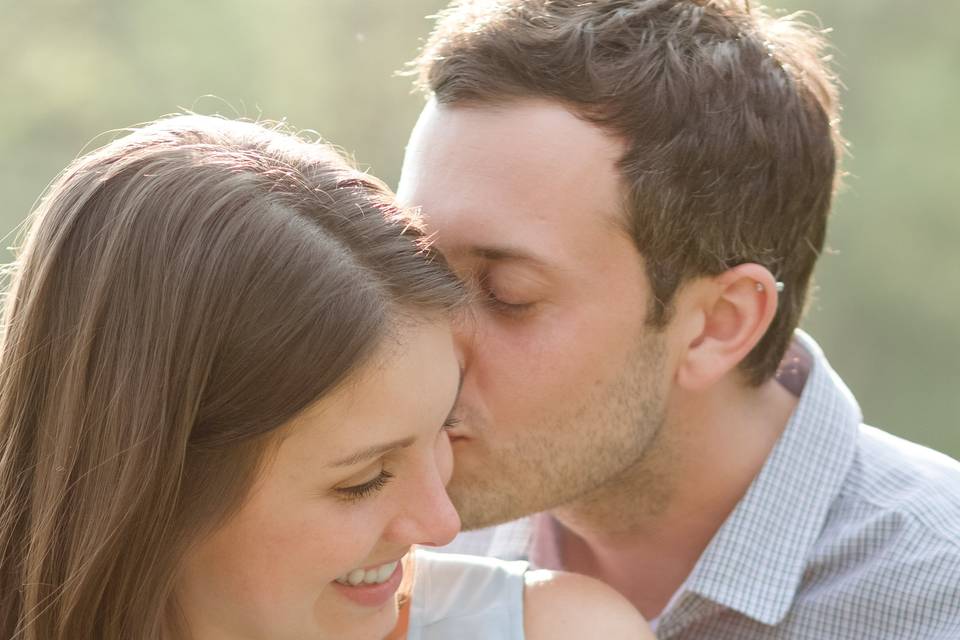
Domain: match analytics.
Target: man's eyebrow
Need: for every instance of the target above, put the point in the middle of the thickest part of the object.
(372, 452)
(502, 253)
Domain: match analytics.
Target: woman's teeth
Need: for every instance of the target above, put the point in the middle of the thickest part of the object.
(377, 575)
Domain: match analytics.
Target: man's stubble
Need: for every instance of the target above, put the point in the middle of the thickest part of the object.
(600, 448)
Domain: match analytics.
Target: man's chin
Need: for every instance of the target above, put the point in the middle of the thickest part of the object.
(485, 492)
(477, 509)
(484, 507)
(484, 521)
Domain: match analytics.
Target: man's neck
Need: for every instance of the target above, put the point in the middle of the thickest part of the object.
(644, 532)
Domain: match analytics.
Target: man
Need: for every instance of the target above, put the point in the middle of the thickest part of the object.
(637, 191)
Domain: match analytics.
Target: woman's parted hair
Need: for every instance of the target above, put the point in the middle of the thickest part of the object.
(181, 293)
(729, 117)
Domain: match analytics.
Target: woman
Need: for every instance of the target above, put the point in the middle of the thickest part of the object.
(224, 382)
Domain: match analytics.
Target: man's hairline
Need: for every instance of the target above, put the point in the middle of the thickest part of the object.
(622, 219)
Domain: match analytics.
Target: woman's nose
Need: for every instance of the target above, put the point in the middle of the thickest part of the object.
(426, 517)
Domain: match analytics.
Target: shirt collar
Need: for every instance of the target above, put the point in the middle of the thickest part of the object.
(755, 562)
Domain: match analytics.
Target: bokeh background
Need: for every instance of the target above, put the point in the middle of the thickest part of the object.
(888, 303)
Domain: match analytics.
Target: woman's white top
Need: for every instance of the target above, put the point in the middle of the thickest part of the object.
(458, 597)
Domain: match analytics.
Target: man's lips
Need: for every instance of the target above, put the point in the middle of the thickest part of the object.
(463, 431)
(464, 427)
(457, 435)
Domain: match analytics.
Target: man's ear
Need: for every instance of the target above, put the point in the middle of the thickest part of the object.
(723, 318)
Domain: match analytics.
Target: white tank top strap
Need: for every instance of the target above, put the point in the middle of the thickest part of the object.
(457, 597)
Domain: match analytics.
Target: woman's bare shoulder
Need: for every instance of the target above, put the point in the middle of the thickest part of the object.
(558, 606)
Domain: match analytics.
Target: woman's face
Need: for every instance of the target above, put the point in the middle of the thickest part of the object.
(356, 480)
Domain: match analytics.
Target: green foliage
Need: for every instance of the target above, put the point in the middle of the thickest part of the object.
(888, 303)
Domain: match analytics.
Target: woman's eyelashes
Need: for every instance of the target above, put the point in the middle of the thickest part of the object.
(368, 489)
(365, 490)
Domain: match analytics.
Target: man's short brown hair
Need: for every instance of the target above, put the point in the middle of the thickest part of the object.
(729, 116)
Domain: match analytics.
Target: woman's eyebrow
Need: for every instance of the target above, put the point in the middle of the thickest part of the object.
(371, 452)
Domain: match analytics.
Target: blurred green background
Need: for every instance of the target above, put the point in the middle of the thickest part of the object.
(887, 308)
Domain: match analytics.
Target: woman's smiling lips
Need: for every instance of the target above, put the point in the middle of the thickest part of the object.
(371, 587)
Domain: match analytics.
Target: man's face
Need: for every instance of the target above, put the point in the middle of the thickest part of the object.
(564, 384)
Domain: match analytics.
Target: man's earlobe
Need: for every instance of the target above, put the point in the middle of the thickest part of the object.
(735, 310)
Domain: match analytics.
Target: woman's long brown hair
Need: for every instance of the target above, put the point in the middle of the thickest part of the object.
(180, 294)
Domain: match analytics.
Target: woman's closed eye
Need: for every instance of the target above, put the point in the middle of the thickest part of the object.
(369, 488)
(366, 489)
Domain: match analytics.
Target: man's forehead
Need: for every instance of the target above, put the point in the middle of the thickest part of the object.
(519, 198)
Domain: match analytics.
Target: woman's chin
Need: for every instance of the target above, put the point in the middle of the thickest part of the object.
(352, 621)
